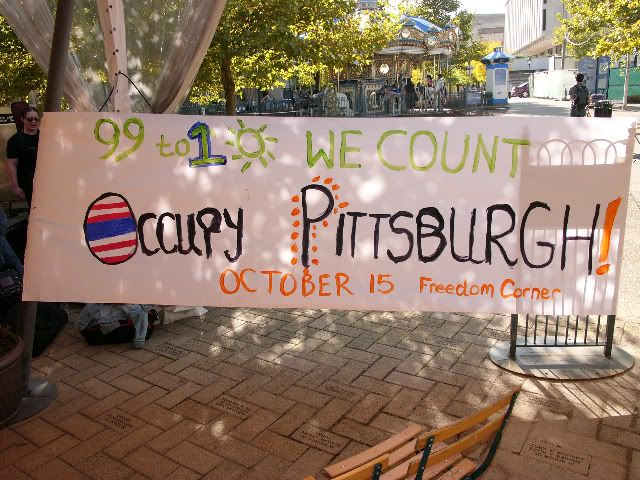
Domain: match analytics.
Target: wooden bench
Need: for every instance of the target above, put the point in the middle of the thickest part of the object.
(416, 454)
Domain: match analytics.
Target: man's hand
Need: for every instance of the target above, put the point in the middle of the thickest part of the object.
(18, 192)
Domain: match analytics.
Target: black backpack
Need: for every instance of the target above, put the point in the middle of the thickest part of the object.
(582, 97)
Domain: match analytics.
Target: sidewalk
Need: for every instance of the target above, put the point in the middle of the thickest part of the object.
(272, 394)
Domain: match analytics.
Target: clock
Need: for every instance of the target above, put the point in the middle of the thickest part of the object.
(384, 68)
(405, 33)
(431, 40)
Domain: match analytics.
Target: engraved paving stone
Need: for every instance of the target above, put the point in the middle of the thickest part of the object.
(341, 391)
(314, 437)
(169, 350)
(120, 422)
(233, 406)
(447, 343)
(557, 456)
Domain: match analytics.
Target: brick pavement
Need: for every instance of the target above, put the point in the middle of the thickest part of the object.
(271, 394)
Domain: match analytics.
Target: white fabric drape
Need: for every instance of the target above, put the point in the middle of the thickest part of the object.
(32, 22)
(190, 43)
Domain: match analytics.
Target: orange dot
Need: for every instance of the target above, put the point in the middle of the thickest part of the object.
(337, 197)
(315, 179)
(296, 223)
(325, 223)
(294, 261)
(295, 235)
(306, 270)
(295, 198)
(314, 235)
(344, 204)
(335, 210)
(335, 187)
(314, 249)
(315, 227)
(294, 248)
(295, 211)
(315, 261)
(327, 181)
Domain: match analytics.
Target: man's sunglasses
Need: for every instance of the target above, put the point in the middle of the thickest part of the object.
(32, 119)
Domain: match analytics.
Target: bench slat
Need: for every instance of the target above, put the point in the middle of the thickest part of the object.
(465, 423)
(459, 470)
(365, 472)
(374, 452)
(401, 471)
(466, 442)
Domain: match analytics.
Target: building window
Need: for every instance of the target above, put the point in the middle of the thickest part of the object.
(544, 19)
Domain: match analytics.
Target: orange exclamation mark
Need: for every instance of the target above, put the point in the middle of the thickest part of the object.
(612, 210)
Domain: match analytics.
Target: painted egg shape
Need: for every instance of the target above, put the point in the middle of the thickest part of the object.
(110, 229)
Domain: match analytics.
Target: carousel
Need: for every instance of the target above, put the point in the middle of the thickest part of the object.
(377, 88)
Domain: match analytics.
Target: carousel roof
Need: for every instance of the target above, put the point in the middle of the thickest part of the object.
(423, 41)
(421, 24)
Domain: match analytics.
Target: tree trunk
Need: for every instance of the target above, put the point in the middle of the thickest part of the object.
(316, 78)
(625, 92)
(229, 86)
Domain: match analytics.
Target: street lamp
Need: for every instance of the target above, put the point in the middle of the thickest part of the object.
(529, 62)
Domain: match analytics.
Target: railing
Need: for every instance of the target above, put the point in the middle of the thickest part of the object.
(377, 105)
(562, 331)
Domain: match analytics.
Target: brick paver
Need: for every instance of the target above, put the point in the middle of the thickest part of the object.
(260, 394)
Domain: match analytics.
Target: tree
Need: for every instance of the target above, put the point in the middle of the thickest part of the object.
(259, 44)
(601, 27)
(20, 73)
(439, 12)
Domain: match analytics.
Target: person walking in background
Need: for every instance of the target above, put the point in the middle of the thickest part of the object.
(579, 95)
(22, 152)
(409, 95)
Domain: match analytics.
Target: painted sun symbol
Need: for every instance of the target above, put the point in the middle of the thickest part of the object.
(254, 146)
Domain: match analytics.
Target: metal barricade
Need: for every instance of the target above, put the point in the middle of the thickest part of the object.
(562, 331)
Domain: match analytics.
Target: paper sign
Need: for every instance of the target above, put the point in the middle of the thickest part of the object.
(482, 214)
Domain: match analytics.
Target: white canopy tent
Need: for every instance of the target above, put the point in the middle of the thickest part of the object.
(158, 44)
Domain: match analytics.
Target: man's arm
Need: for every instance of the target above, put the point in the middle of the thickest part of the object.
(12, 172)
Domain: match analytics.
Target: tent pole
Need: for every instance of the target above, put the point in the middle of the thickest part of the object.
(59, 54)
(38, 394)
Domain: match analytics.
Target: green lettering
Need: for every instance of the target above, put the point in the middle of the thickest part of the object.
(434, 142)
(344, 149)
(445, 167)
(383, 137)
(313, 159)
(491, 159)
(162, 145)
(515, 142)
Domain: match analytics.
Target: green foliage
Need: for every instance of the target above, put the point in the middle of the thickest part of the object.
(20, 73)
(600, 27)
(439, 12)
(260, 44)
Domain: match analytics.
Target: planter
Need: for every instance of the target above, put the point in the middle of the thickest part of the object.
(11, 348)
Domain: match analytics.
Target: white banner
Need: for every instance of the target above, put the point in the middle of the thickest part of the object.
(481, 214)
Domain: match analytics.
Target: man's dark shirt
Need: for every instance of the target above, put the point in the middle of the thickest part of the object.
(24, 148)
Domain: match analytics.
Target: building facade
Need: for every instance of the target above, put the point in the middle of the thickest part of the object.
(529, 26)
(489, 27)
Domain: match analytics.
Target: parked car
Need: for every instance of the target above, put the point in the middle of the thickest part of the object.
(521, 90)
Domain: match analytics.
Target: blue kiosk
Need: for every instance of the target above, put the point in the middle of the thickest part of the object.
(497, 63)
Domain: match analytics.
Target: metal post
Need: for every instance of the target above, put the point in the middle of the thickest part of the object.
(611, 325)
(59, 55)
(55, 83)
(514, 335)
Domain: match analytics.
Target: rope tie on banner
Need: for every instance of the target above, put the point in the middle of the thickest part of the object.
(134, 86)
